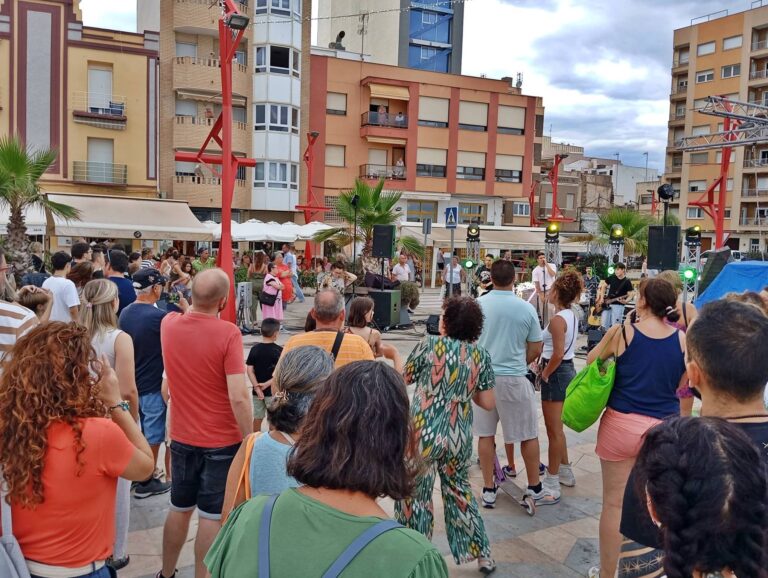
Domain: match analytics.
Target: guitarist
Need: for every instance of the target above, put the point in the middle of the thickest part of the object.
(482, 280)
(611, 302)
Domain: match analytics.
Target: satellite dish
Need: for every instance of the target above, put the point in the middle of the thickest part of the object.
(666, 192)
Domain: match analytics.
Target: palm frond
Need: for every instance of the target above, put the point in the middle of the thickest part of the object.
(327, 234)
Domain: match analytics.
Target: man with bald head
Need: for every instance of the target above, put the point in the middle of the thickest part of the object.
(211, 413)
(329, 314)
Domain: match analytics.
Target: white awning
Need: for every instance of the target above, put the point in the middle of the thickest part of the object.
(34, 219)
(128, 217)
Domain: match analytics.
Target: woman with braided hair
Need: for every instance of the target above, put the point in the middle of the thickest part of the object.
(707, 498)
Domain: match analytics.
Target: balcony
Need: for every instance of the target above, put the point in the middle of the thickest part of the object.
(754, 221)
(678, 92)
(754, 193)
(101, 173)
(389, 172)
(100, 110)
(679, 65)
(191, 72)
(196, 16)
(677, 119)
(759, 45)
(758, 77)
(384, 119)
(191, 131)
(203, 191)
(384, 127)
(756, 163)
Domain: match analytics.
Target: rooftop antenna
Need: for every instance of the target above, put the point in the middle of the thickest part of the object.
(519, 83)
(362, 29)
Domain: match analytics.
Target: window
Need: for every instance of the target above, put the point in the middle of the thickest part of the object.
(680, 110)
(258, 175)
(260, 118)
(570, 201)
(471, 166)
(433, 111)
(719, 157)
(282, 7)
(683, 56)
(698, 103)
(521, 209)
(100, 92)
(336, 103)
(706, 48)
(727, 213)
(294, 176)
(334, 155)
(732, 42)
(470, 173)
(729, 184)
(694, 213)
(295, 63)
(697, 186)
(754, 245)
(700, 130)
(508, 176)
(186, 49)
(294, 120)
(261, 59)
(472, 213)
(239, 114)
(428, 18)
(705, 76)
(274, 117)
(427, 52)
(279, 59)
(185, 169)
(261, 6)
(420, 210)
(511, 120)
(431, 162)
(509, 169)
(241, 57)
(699, 158)
(730, 71)
(277, 176)
(473, 116)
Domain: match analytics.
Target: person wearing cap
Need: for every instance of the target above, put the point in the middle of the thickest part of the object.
(141, 320)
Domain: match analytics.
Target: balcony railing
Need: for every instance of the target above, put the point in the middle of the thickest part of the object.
(204, 181)
(679, 89)
(676, 63)
(752, 163)
(206, 121)
(208, 62)
(756, 74)
(759, 45)
(754, 221)
(95, 172)
(241, 6)
(677, 116)
(384, 119)
(754, 193)
(393, 172)
(99, 103)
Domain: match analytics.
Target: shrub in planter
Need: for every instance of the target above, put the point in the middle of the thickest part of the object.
(409, 294)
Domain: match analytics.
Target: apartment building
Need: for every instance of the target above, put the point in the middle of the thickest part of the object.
(441, 139)
(267, 84)
(427, 34)
(725, 56)
(89, 93)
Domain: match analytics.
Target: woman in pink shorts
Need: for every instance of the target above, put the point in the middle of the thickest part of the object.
(650, 367)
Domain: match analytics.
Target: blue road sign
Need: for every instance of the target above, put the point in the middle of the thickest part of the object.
(451, 217)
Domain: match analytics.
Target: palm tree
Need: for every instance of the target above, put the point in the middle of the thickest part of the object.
(374, 207)
(20, 173)
(635, 226)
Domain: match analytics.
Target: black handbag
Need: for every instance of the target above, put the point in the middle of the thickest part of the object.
(267, 299)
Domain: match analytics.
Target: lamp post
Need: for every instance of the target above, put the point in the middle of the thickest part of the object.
(616, 188)
(354, 202)
(311, 207)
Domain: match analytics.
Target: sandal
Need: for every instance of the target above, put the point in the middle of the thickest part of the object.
(486, 565)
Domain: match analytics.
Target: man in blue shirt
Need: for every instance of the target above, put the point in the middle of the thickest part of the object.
(512, 336)
(116, 268)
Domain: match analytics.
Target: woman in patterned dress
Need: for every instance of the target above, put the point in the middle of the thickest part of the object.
(450, 371)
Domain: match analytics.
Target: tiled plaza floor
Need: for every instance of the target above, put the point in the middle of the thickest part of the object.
(560, 541)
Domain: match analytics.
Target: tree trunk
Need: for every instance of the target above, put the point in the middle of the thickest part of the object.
(17, 243)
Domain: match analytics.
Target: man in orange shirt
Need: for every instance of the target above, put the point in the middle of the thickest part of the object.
(329, 314)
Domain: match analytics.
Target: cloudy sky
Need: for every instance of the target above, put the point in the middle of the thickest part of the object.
(602, 66)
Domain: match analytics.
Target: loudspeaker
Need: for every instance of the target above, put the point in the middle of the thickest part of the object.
(663, 250)
(593, 337)
(386, 307)
(433, 325)
(383, 241)
(715, 263)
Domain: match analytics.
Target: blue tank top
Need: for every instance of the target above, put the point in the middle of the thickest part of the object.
(268, 464)
(647, 375)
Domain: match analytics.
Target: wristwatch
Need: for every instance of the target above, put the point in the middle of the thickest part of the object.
(122, 404)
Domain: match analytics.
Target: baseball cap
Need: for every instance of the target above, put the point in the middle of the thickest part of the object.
(144, 278)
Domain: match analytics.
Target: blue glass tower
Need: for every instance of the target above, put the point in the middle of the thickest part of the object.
(431, 35)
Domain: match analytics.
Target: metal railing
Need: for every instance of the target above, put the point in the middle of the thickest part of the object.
(677, 115)
(99, 103)
(758, 74)
(206, 121)
(679, 90)
(676, 63)
(754, 193)
(393, 172)
(241, 6)
(755, 221)
(204, 181)
(95, 172)
(384, 119)
(752, 163)
(759, 45)
(208, 62)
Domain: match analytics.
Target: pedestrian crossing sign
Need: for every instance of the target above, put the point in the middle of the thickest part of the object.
(451, 217)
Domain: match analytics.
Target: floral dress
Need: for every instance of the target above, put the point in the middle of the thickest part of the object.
(447, 373)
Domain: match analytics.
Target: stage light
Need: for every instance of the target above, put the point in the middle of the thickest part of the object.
(237, 21)
(611, 270)
(693, 235)
(468, 264)
(473, 233)
(552, 232)
(617, 233)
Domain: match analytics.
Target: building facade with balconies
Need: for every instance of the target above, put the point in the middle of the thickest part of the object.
(89, 93)
(720, 56)
(441, 139)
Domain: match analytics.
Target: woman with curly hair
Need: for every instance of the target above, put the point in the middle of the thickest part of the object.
(710, 502)
(556, 373)
(450, 371)
(65, 438)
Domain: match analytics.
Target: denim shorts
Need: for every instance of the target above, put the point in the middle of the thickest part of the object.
(198, 478)
(554, 389)
(152, 414)
(103, 572)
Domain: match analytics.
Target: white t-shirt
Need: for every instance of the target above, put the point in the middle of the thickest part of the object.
(541, 275)
(402, 272)
(64, 296)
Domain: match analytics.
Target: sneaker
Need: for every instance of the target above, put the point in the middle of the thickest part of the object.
(119, 563)
(153, 487)
(486, 565)
(509, 471)
(594, 572)
(546, 497)
(542, 469)
(489, 497)
(566, 476)
(160, 574)
(158, 473)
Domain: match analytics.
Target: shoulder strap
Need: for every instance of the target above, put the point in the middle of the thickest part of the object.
(264, 525)
(5, 507)
(357, 546)
(685, 314)
(575, 331)
(337, 344)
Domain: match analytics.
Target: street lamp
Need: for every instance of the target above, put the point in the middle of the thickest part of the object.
(237, 21)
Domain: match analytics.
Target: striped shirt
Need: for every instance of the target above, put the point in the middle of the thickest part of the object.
(148, 264)
(15, 321)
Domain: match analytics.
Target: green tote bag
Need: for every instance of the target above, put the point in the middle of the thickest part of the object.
(588, 393)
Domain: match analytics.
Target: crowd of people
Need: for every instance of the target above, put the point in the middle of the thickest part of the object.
(97, 381)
